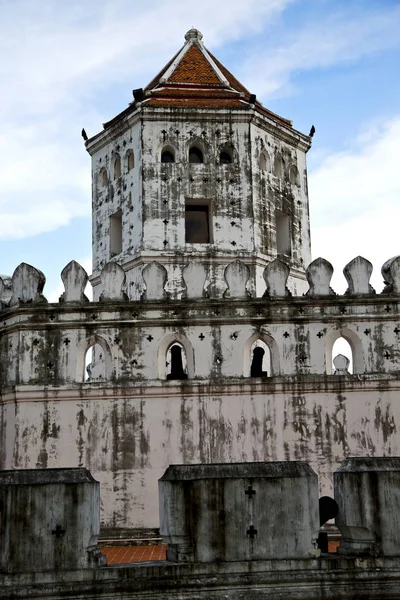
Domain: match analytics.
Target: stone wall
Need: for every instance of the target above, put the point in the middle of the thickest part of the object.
(129, 420)
(236, 531)
(267, 176)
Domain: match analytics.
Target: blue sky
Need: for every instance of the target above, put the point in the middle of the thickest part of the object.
(68, 65)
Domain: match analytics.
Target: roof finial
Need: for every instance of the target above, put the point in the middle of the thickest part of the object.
(193, 34)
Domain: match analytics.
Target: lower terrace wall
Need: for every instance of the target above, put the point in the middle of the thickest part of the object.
(127, 436)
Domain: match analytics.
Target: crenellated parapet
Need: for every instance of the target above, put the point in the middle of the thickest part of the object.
(47, 343)
(124, 387)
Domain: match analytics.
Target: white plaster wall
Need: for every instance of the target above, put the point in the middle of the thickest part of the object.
(127, 439)
(123, 194)
(131, 345)
(272, 192)
(167, 186)
(242, 199)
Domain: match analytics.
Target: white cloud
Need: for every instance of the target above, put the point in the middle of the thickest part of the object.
(62, 59)
(322, 43)
(354, 197)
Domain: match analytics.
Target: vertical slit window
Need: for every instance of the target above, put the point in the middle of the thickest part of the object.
(116, 234)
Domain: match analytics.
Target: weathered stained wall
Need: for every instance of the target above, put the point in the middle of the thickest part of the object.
(243, 196)
(129, 422)
(127, 437)
(115, 193)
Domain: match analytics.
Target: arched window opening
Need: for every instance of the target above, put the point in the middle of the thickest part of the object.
(117, 166)
(294, 177)
(103, 177)
(263, 162)
(278, 167)
(130, 162)
(195, 155)
(95, 366)
(260, 360)
(225, 157)
(342, 350)
(167, 156)
(176, 362)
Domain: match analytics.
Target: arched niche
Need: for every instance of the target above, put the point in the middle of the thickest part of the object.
(117, 166)
(103, 177)
(270, 359)
(130, 161)
(354, 346)
(168, 154)
(164, 352)
(95, 353)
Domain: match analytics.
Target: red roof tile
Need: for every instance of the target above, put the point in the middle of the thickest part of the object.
(194, 68)
(120, 555)
(194, 82)
(230, 78)
(193, 102)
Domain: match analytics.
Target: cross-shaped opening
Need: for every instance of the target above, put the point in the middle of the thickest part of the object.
(58, 531)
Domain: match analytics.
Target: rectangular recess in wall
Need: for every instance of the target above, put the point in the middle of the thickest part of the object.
(283, 234)
(116, 233)
(198, 228)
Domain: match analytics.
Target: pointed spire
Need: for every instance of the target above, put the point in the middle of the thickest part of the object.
(193, 34)
(194, 78)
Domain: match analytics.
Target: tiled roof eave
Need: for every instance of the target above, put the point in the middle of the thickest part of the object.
(208, 103)
(195, 85)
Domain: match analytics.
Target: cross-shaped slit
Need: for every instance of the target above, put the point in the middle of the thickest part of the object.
(252, 532)
(250, 492)
(58, 532)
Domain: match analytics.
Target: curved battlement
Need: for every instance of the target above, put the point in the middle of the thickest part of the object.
(27, 283)
(47, 343)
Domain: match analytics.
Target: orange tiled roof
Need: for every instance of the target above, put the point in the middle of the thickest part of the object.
(122, 555)
(197, 80)
(198, 92)
(193, 102)
(194, 68)
(231, 78)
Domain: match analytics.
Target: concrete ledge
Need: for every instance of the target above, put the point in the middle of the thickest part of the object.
(331, 578)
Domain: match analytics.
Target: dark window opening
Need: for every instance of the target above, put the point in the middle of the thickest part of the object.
(177, 370)
(167, 157)
(225, 158)
(197, 224)
(256, 369)
(195, 155)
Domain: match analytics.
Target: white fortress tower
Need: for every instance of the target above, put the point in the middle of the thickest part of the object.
(200, 352)
(197, 168)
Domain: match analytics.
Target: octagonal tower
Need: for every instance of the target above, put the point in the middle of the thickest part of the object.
(197, 168)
